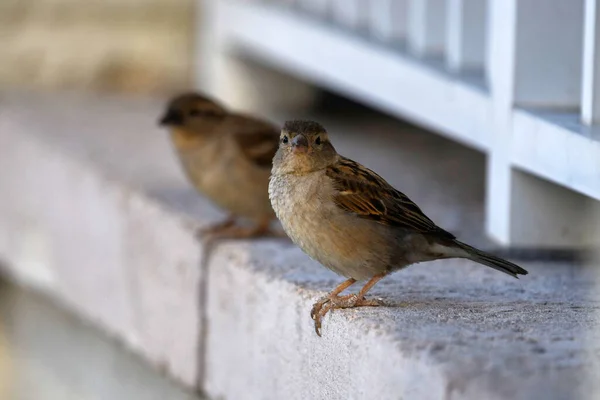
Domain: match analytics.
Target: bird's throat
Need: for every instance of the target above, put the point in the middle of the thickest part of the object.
(185, 139)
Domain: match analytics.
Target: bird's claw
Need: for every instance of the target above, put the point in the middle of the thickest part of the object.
(316, 308)
(327, 303)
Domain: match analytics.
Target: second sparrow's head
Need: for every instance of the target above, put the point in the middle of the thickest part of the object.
(193, 112)
(304, 146)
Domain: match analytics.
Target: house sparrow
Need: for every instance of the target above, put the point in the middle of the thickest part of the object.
(351, 220)
(227, 157)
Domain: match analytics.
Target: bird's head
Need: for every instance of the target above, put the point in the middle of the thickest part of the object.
(193, 112)
(304, 146)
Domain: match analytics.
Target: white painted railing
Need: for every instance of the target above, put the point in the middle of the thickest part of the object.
(518, 79)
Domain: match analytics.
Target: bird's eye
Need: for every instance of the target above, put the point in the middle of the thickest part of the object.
(285, 139)
(194, 113)
(318, 140)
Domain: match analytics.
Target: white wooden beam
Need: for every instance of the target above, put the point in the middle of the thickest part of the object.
(466, 34)
(550, 147)
(590, 101)
(426, 27)
(546, 214)
(549, 48)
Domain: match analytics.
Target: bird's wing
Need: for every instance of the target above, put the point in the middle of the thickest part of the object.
(258, 140)
(365, 194)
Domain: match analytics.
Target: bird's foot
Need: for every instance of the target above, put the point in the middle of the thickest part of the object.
(216, 228)
(240, 232)
(229, 230)
(328, 303)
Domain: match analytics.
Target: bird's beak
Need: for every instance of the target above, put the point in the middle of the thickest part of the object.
(300, 144)
(171, 117)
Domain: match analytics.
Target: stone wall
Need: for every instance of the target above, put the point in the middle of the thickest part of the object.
(115, 45)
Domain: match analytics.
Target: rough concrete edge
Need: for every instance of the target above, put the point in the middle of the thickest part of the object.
(349, 361)
(283, 305)
(136, 201)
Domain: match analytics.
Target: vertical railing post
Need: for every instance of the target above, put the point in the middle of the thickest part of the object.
(426, 27)
(590, 82)
(466, 34)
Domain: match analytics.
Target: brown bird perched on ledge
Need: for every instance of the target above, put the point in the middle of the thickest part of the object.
(227, 157)
(351, 220)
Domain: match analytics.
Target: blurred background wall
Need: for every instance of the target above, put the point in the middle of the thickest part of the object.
(139, 46)
(117, 46)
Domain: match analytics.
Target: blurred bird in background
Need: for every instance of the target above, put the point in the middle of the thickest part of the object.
(227, 157)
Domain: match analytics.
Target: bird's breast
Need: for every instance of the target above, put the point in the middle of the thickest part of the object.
(220, 172)
(348, 245)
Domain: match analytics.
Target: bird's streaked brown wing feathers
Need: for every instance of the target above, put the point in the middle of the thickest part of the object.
(258, 140)
(362, 192)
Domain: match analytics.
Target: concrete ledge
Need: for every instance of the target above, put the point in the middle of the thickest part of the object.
(96, 213)
(452, 331)
(100, 245)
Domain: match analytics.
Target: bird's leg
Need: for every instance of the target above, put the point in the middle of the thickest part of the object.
(333, 300)
(216, 228)
(260, 229)
(243, 232)
(370, 284)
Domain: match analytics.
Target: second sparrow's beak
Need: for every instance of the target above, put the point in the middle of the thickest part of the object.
(300, 144)
(171, 117)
